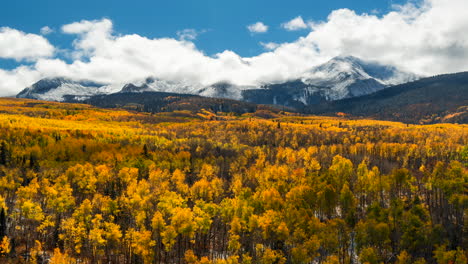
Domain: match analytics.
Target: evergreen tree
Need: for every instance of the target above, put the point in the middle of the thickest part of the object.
(3, 226)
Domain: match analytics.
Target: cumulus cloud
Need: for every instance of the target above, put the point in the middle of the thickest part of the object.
(295, 24)
(15, 44)
(85, 26)
(258, 27)
(427, 39)
(92, 36)
(46, 30)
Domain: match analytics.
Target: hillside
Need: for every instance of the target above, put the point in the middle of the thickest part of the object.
(81, 184)
(438, 99)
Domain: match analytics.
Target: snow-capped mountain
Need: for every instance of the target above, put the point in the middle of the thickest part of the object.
(61, 89)
(341, 77)
(224, 90)
(158, 85)
(344, 77)
(219, 89)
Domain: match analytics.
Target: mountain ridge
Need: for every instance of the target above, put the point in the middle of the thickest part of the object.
(339, 78)
(57, 88)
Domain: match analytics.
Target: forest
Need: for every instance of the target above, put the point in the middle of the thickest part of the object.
(80, 184)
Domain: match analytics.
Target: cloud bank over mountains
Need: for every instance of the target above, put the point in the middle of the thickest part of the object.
(426, 38)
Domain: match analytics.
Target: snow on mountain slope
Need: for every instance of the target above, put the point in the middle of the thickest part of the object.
(341, 77)
(220, 89)
(159, 85)
(344, 77)
(57, 89)
(224, 90)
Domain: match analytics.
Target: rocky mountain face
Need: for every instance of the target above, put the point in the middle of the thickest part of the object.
(339, 78)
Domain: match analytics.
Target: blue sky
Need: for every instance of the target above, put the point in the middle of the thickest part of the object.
(118, 41)
(224, 22)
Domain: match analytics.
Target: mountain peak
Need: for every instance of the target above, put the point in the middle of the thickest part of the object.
(57, 88)
(347, 58)
(45, 84)
(349, 76)
(132, 88)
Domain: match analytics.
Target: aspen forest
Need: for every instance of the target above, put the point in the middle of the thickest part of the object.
(80, 184)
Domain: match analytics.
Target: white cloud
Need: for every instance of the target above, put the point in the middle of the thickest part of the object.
(15, 44)
(426, 39)
(295, 24)
(92, 35)
(269, 45)
(86, 26)
(258, 27)
(46, 30)
(187, 34)
(11, 82)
